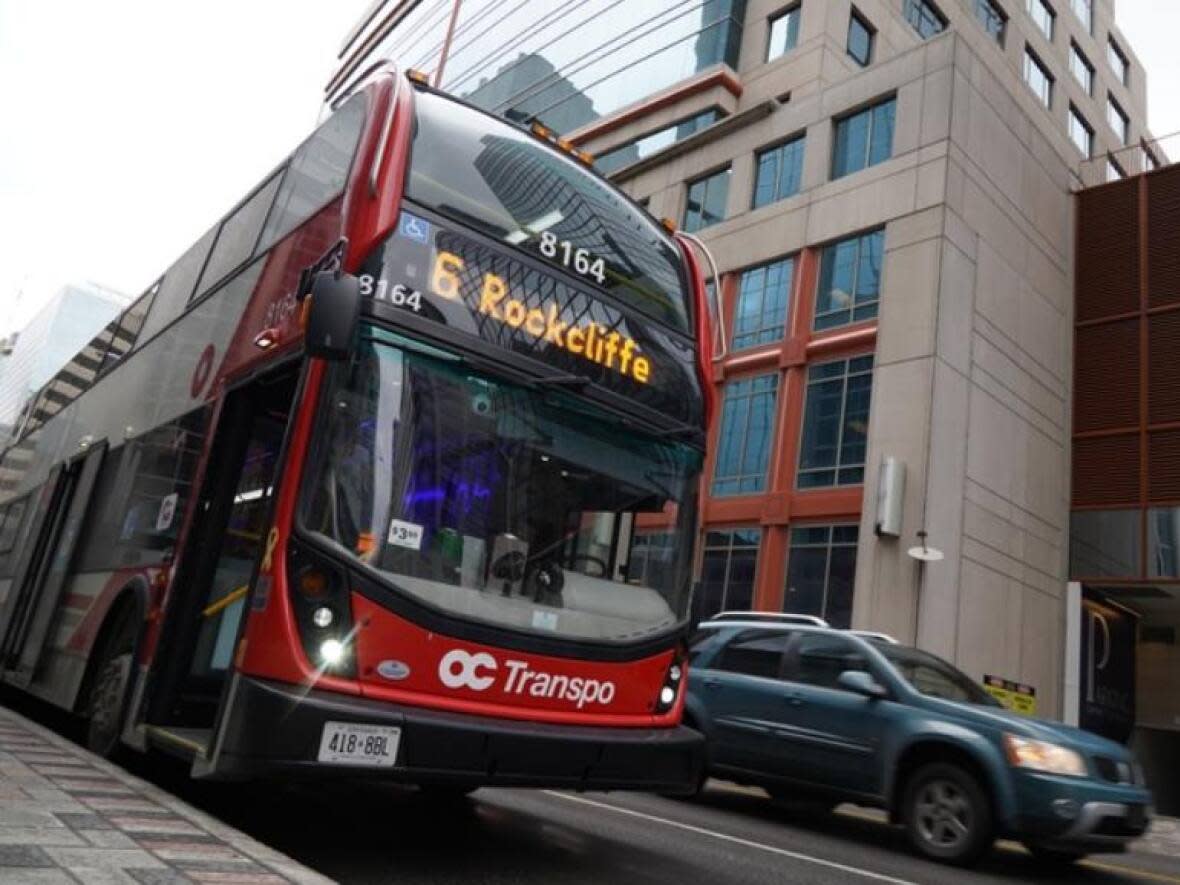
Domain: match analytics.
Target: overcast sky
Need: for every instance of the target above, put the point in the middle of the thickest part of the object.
(129, 126)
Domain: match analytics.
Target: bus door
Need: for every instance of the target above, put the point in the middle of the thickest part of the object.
(46, 561)
(219, 563)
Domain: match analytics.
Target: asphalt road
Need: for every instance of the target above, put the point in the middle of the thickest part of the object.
(367, 832)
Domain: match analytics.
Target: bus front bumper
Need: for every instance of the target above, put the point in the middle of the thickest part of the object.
(275, 729)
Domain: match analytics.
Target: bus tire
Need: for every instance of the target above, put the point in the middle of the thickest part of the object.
(107, 700)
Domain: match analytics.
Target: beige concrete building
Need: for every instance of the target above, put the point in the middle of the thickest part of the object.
(889, 189)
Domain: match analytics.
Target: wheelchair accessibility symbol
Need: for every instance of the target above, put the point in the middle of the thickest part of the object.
(414, 228)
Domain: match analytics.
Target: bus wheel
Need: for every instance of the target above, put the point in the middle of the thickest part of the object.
(108, 692)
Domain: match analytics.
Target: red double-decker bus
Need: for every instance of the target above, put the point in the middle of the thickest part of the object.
(395, 468)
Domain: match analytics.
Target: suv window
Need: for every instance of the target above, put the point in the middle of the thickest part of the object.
(755, 653)
(819, 659)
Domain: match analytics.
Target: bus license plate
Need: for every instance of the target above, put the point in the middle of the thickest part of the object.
(348, 743)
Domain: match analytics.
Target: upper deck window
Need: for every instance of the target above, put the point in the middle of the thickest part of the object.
(493, 178)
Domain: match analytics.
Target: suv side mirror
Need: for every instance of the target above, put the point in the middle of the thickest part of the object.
(332, 315)
(861, 683)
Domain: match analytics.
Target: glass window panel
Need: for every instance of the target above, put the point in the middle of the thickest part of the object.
(1113, 171)
(860, 40)
(633, 151)
(1082, 70)
(763, 298)
(820, 658)
(1163, 542)
(784, 33)
(925, 17)
(1043, 15)
(177, 285)
(1084, 10)
(706, 200)
(821, 568)
(1118, 120)
(239, 233)
(126, 333)
(747, 427)
(1080, 132)
(568, 64)
(1118, 61)
(806, 575)
(1105, 543)
(728, 570)
(835, 423)
(863, 139)
(849, 280)
(1038, 79)
(317, 172)
(758, 655)
(992, 18)
(779, 171)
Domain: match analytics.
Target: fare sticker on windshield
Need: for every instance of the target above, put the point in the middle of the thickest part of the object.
(405, 534)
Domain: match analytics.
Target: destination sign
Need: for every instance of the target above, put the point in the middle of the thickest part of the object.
(440, 274)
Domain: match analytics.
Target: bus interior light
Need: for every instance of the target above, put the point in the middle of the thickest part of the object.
(541, 131)
(669, 225)
(585, 156)
(416, 76)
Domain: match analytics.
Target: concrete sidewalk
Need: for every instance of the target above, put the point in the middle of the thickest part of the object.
(67, 816)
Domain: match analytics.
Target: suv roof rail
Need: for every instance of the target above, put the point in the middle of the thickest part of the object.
(772, 617)
(874, 636)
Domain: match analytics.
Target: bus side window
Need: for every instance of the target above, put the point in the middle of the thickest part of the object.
(317, 173)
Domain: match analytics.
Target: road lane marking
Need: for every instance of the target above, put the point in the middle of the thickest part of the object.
(1129, 871)
(725, 837)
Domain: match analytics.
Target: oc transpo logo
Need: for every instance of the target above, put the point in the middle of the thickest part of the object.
(478, 672)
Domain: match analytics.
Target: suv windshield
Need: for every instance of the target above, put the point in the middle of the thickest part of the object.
(501, 503)
(934, 677)
(489, 175)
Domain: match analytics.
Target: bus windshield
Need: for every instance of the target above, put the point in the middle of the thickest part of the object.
(498, 503)
(487, 174)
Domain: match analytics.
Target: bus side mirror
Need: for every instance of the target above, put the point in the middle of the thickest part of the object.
(332, 315)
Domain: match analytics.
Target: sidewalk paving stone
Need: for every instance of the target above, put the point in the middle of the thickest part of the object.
(67, 816)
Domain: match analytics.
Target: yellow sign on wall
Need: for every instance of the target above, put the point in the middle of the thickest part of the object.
(1014, 696)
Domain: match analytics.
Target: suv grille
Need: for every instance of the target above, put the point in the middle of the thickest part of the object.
(1114, 770)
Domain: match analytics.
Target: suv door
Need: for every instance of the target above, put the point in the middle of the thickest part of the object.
(739, 690)
(830, 736)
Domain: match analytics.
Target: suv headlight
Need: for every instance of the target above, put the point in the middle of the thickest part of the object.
(1037, 755)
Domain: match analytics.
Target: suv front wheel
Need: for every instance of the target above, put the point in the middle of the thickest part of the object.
(947, 814)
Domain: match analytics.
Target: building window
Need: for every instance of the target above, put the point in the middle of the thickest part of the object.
(1039, 80)
(993, 19)
(1080, 132)
(764, 295)
(863, 139)
(925, 17)
(1044, 17)
(744, 441)
(835, 423)
(729, 564)
(1113, 171)
(1082, 70)
(706, 200)
(1105, 543)
(1118, 61)
(1084, 9)
(860, 39)
(821, 567)
(778, 172)
(1117, 119)
(640, 148)
(784, 33)
(849, 281)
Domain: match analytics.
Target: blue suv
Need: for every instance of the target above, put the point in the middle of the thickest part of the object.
(823, 715)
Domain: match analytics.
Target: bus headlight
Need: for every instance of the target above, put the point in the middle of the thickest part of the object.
(670, 690)
(323, 617)
(332, 652)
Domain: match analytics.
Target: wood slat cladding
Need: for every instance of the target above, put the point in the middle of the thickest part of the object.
(1106, 376)
(1163, 466)
(1107, 271)
(1106, 471)
(1163, 366)
(1163, 238)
